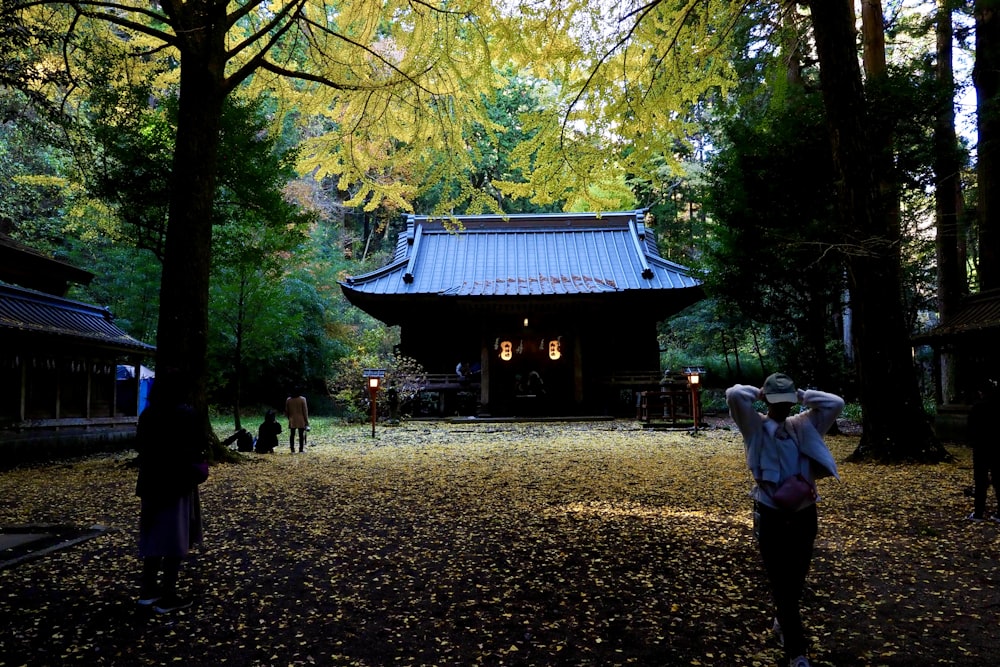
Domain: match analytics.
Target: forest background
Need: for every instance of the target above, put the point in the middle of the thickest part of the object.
(219, 166)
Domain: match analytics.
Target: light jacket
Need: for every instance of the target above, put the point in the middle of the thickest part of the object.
(813, 459)
(297, 411)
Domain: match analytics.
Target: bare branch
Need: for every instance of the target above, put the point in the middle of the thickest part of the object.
(306, 76)
(267, 28)
(91, 9)
(408, 77)
(260, 58)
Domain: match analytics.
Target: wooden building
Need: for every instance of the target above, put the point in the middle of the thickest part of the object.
(969, 337)
(551, 314)
(59, 359)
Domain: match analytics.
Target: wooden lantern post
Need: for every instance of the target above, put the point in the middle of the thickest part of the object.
(374, 377)
(694, 381)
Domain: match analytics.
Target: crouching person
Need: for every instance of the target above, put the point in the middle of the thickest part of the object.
(267, 433)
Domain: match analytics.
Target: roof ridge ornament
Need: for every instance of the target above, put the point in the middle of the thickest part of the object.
(410, 265)
(647, 272)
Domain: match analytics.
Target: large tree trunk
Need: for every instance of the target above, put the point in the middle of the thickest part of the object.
(791, 47)
(894, 423)
(987, 79)
(873, 37)
(947, 194)
(182, 337)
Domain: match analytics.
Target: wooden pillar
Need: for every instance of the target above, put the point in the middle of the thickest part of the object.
(23, 409)
(58, 375)
(577, 369)
(484, 371)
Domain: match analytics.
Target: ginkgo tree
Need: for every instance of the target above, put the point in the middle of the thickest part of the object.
(401, 82)
(388, 76)
(654, 59)
(624, 78)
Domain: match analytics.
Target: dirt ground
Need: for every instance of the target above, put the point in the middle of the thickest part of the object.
(503, 544)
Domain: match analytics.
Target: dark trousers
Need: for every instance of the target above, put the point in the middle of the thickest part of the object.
(985, 469)
(302, 438)
(786, 545)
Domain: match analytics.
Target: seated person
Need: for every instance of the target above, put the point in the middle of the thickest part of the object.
(535, 384)
(244, 441)
(267, 434)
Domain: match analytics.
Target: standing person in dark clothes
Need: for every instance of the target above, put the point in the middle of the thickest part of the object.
(985, 452)
(267, 434)
(172, 448)
(785, 455)
(297, 411)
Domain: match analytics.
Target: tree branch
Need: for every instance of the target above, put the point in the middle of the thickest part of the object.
(274, 68)
(91, 9)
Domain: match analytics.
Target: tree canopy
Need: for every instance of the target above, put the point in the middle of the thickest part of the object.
(716, 114)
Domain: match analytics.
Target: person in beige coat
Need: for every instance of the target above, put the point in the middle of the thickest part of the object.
(297, 411)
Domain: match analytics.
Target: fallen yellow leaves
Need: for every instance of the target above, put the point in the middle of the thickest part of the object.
(514, 544)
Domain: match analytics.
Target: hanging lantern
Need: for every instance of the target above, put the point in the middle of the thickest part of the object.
(506, 350)
(555, 350)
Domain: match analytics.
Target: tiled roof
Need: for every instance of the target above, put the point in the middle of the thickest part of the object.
(978, 314)
(27, 311)
(525, 255)
(29, 268)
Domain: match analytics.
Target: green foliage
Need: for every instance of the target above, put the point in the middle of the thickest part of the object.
(774, 259)
(132, 146)
(126, 281)
(852, 412)
(27, 40)
(420, 116)
(267, 329)
(709, 334)
(491, 147)
(261, 314)
(34, 192)
(908, 99)
(675, 210)
(373, 348)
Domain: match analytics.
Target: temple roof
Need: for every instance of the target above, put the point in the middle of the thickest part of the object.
(29, 268)
(979, 314)
(489, 257)
(29, 312)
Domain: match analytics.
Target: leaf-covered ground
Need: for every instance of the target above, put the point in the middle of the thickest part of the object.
(504, 544)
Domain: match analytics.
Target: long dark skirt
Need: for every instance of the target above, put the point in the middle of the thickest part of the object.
(169, 527)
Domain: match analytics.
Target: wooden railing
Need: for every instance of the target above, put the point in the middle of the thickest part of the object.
(669, 404)
(446, 381)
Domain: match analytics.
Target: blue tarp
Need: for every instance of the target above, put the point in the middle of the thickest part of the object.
(146, 377)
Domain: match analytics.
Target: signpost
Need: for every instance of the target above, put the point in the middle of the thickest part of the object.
(374, 378)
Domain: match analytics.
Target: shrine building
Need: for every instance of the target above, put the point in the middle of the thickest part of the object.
(70, 378)
(547, 314)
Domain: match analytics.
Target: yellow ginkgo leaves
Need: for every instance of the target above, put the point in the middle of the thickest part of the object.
(503, 544)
